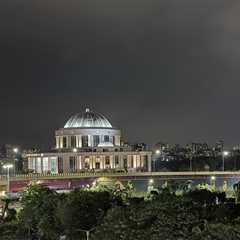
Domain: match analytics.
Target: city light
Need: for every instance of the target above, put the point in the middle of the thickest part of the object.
(225, 153)
(15, 150)
(7, 166)
(157, 151)
(74, 150)
(151, 181)
(213, 178)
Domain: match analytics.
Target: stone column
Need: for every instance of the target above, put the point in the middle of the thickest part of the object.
(134, 161)
(61, 142)
(101, 137)
(111, 161)
(149, 162)
(57, 142)
(121, 160)
(79, 137)
(102, 164)
(117, 140)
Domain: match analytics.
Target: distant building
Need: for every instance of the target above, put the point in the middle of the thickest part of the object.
(11, 154)
(89, 142)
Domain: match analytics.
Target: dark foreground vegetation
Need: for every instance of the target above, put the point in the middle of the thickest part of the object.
(111, 211)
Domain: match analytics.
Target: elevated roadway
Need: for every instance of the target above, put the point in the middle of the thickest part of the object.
(71, 180)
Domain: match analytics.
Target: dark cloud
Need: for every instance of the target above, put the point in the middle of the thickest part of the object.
(160, 70)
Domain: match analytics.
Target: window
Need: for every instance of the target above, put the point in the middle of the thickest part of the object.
(53, 164)
(84, 141)
(107, 160)
(64, 142)
(116, 160)
(96, 140)
(125, 162)
(86, 163)
(72, 164)
(131, 161)
(73, 141)
(60, 165)
(145, 161)
(45, 164)
(97, 165)
(113, 140)
(38, 165)
(106, 138)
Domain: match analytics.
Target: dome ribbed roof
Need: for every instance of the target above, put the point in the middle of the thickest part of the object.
(88, 119)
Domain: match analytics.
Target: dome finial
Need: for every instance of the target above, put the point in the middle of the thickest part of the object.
(87, 110)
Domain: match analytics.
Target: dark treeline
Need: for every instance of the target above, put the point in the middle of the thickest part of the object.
(116, 212)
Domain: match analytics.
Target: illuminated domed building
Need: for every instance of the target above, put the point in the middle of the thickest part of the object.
(87, 142)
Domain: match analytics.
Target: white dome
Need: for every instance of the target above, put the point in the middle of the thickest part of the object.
(88, 119)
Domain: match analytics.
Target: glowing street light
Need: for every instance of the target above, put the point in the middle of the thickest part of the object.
(225, 153)
(157, 151)
(74, 150)
(151, 181)
(15, 150)
(213, 178)
(8, 166)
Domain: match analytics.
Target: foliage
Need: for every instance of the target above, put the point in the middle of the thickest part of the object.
(38, 215)
(123, 193)
(9, 231)
(149, 220)
(82, 210)
(219, 231)
(113, 211)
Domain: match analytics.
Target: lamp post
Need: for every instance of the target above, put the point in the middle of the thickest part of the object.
(156, 157)
(87, 232)
(8, 166)
(224, 154)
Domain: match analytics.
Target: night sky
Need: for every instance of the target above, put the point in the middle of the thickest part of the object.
(161, 70)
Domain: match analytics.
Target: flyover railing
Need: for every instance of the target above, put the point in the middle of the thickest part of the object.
(115, 174)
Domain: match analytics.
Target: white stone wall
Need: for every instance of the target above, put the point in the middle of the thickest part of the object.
(90, 132)
(48, 162)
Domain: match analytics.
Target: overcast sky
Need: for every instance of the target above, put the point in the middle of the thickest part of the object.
(160, 70)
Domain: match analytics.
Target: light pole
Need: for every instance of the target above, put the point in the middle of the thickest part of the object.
(224, 154)
(156, 157)
(8, 166)
(87, 232)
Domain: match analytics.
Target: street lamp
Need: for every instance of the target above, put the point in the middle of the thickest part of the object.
(213, 181)
(224, 154)
(75, 150)
(151, 181)
(87, 232)
(15, 150)
(157, 151)
(8, 166)
(213, 178)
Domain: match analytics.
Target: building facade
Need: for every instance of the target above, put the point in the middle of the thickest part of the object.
(88, 142)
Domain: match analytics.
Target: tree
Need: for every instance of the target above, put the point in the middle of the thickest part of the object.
(37, 217)
(82, 210)
(171, 219)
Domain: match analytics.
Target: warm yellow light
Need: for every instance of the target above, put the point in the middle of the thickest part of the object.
(213, 178)
(74, 150)
(8, 166)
